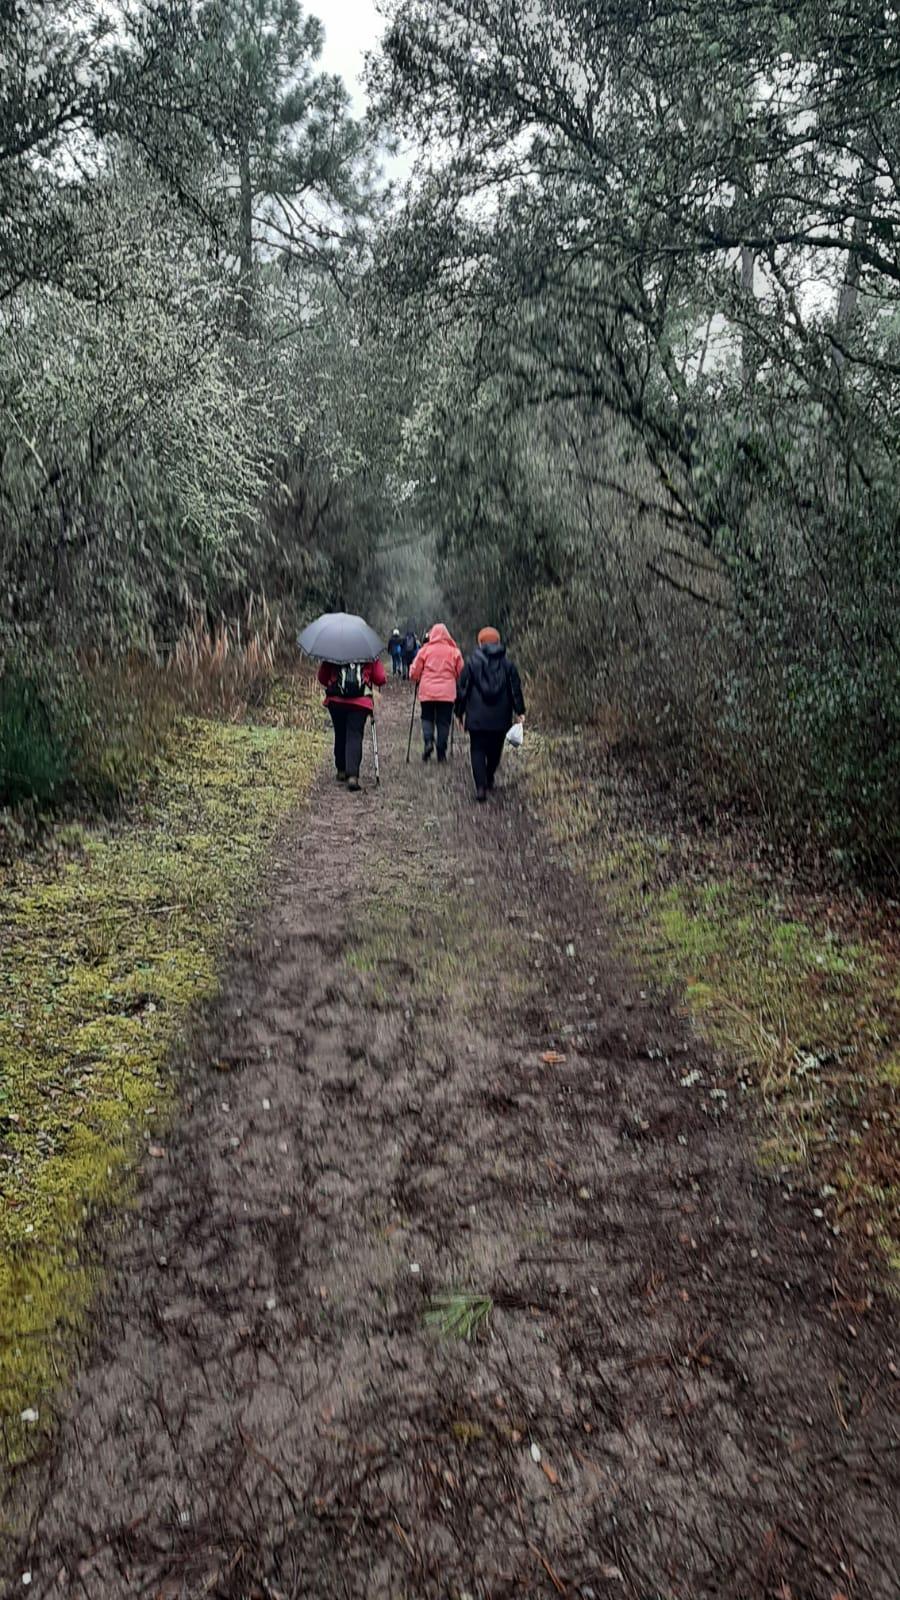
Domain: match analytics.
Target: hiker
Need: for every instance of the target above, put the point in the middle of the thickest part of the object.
(395, 650)
(350, 701)
(436, 669)
(410, 646)
(489, 700)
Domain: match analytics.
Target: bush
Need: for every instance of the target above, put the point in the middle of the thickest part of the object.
(123, 713)
(80, 731)
(35, 755)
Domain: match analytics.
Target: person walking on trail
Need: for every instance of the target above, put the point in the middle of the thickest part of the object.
(410, 646)
(436, 669)
(395, 650)
(350, 701)
(489, 700)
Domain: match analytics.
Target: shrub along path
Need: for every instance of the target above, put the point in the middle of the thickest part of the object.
(435, 1103)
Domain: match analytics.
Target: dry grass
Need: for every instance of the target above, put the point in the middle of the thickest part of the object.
(224, 667)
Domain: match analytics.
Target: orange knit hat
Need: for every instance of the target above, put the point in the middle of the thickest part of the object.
(489, 636)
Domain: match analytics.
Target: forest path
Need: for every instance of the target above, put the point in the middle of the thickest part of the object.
(430, 1072)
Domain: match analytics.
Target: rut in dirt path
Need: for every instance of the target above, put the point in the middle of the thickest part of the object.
(671, 1392)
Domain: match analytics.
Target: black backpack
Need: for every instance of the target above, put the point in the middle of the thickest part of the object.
(350, 683)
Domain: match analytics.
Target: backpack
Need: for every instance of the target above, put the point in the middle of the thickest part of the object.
(409, 645)
(350, 683)
(491, 674)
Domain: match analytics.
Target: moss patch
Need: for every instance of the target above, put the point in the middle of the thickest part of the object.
(422, 920)
(801, 1004)
(101, 958)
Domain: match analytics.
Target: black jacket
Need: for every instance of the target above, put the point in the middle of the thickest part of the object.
(490, 693)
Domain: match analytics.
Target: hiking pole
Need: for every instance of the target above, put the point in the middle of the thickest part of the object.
(411, 721)
(375, 749)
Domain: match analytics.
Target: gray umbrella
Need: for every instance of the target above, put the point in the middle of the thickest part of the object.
(340, 638)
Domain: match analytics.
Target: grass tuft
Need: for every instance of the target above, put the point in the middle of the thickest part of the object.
(459, 1314)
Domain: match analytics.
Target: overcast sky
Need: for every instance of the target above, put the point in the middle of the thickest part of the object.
(351, 28)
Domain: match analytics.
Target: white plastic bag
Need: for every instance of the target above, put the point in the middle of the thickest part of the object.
(516, 735)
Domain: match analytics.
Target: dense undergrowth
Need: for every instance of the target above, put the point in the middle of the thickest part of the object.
(107, 942)
(798, 992)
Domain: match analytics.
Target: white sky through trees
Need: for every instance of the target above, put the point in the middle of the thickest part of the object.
(351, 28)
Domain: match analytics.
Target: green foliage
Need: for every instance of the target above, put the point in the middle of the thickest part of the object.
(667, 454)
(183, 411)
(34, 754)
(82, 732)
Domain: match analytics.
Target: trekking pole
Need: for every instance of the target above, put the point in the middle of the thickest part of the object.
(375, 748)
(411, 721)
(452, 721)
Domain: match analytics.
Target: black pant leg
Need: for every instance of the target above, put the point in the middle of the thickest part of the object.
(443, 716)
(428, 719)
(339, 719)
(494, 754)
(479, 759)
(356, 727)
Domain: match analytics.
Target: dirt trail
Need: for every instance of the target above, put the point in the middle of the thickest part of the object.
(676, 1393)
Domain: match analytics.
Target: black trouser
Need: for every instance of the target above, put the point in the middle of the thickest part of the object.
(487, 748)
(437, 715)
(407, 663)
(349, 727)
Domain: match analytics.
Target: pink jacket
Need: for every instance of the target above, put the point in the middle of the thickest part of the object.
(437, 666)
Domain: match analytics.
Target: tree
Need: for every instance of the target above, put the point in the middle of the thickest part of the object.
(597, 183)
(283, 130)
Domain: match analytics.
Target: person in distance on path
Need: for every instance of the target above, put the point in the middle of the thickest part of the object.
(350, 701)
(395, 649)
(488, 701)
(436, 669)
(408, 651)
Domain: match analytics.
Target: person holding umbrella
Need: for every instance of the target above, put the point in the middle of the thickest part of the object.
(489, 700)
(350, 671)
(435, 672)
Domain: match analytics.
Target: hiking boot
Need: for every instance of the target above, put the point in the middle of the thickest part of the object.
(428, 752)
(353, 785)
(442, 756)
(342, 777)
(481, 795)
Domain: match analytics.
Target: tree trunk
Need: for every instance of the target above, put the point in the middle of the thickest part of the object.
(748, 361)
(245, 306)
(848, 295)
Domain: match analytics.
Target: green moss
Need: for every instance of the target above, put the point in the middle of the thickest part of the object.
(453, 946)
(813, 1016)
(101, 961)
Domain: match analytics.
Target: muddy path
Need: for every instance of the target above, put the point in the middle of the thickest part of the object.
(673, 1388)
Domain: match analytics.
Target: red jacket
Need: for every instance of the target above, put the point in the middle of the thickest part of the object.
(373, 673)
(437, 667)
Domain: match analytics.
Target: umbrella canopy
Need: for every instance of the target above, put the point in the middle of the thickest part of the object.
(340, 638)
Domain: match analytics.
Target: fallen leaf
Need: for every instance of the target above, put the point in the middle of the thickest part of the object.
(549, 1473)
(611, 1572)
(157, 1152)
(552, 1058)
(536, 1452)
